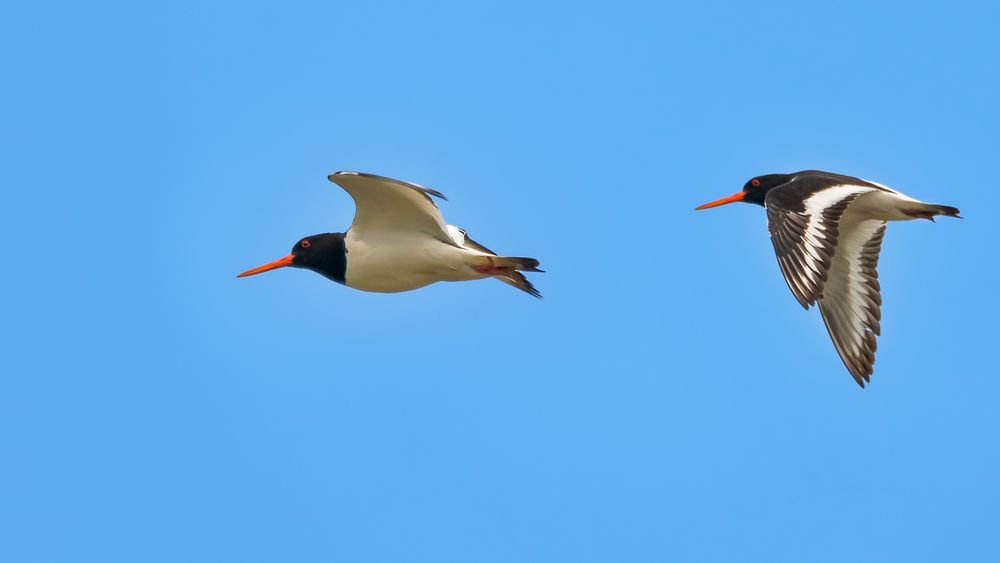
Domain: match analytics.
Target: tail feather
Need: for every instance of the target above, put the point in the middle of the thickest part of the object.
(503, 265)
(508, 270)
(946, 210)
(930, 211)
(522, 264)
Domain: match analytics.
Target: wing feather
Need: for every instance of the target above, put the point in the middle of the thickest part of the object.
(828, 250)
(805, 240)
(851, 300)
(384, 205)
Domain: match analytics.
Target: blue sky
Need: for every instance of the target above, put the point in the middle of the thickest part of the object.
(667, 401)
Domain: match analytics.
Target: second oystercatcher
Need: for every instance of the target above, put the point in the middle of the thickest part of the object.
(398, 242)
(827, 233)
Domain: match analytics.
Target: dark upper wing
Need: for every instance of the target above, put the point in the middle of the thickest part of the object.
(386, 205)
(803, 219)
(851, 302)
(820, 178)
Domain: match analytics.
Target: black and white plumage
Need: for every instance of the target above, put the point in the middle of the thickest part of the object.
(827, 232)
(399, 241)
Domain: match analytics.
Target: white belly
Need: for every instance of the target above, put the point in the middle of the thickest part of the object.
(400, 263)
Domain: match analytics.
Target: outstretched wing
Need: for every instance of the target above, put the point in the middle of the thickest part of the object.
(850, 301)
(384, 205)
(804, 228)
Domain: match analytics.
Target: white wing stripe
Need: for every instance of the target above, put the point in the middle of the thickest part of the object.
(850, 303)
(805, 241)
(817, 203)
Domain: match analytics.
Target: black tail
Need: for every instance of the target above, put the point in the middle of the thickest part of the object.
(946, 210)
(521, 264)
(930, 210)
(508, 270)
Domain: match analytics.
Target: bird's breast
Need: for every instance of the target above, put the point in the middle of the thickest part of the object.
(391, 263)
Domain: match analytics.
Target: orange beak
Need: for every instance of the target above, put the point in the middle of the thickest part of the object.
(738, 196)
(279, 263)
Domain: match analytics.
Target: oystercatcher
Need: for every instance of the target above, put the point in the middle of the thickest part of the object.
(398, 242)
(827, 233)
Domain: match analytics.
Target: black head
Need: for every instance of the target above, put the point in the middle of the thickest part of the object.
(325, 254)
(753, 191)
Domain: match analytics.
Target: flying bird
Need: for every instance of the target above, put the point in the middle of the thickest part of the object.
(827, 233)
(399, 242)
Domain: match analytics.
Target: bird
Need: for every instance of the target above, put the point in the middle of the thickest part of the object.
(398, 242)
(827, 231)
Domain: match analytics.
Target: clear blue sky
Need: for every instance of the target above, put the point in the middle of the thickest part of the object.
(667, 401)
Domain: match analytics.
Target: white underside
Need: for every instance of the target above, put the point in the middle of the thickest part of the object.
(885, 206)
(392, 262)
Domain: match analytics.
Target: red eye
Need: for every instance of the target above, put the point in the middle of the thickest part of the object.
(755, 183)
(305, 244)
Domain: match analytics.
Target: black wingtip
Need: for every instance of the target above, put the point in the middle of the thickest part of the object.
(435, 193)
(517, 280)
(859, 380)
(528, 288)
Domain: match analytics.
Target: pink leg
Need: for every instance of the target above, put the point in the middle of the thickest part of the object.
(491, 269)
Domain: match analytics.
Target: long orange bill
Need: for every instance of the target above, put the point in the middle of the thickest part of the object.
(279, 263)
(738, 196)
